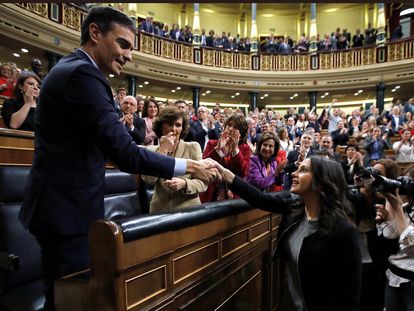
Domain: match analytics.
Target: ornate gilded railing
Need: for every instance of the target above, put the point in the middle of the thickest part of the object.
(66, 14)
(179, 51)
(72, 16)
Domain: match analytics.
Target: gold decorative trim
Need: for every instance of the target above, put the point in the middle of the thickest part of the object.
(239, 289)
(164, 267)
(267, 221)
(247, 230)
(200, 268)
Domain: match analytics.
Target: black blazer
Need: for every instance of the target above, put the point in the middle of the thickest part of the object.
(76, 130)
(329, 264)
(138, 133)
(198, 134)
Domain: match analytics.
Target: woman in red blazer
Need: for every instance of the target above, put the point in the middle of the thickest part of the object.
(232, 152)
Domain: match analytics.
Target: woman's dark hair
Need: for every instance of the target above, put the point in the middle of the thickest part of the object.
(330, 184)
(145, 108)
(266, 136)
(392, 170)
(239, 122)
(282, 130)
(17, 92)
(409, 171)
(169, 115)
(104, 16)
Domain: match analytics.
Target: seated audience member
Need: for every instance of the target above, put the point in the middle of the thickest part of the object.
(404, 148)
(128, 117)
(6, 80)
(395, 220)
(352, 163)
(327, 146)
(140, 106)
(340, 136)
(317, 242)
(302, 123)
(203, 129)
(316, 145)
(18, 112)
(296, 156)
(171, 126)
(264, 171)
(120, 94)
(231, 151)
(150, 111)
(374, 146)
(284, 141)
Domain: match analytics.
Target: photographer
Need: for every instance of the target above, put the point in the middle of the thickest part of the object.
(375, 249)
(396, 221)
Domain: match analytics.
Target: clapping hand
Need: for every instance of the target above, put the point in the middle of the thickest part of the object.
(129, 120)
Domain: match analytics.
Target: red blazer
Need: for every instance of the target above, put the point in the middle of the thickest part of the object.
(239, 165)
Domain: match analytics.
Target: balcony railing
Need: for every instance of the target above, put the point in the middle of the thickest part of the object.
(184, 52)
(72, 16)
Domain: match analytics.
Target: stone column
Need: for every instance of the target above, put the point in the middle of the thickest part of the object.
(196, 97)
(313, 47)
(253, 35)
(312, 99)
(132, 85)
(381, 35)
(196, 25)
(380, 90)
(253, 101)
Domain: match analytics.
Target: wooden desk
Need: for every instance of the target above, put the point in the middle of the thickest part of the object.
(220, 264)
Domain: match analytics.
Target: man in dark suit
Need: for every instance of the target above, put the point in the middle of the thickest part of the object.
(76, 130)
(296, 156)
(128, 117)
(203, 129)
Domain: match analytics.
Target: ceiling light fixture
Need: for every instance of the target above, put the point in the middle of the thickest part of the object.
(146, 82)
(208, 11)
(326, 94)
(292, 97)
(296, 94)
(172, 91)
(24, 50)
(393, 90)
(261, 97)
(360, 91)
(356, 94)
(178, 88)
(111, 75)
(232, 96)
(323, 96)
(237, 94)
(397, 87)
(140, 85)
(265, 95)
(203, 94)
(208, 92)
(16, 55)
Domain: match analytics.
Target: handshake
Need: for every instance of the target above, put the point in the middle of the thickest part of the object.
(209, 171)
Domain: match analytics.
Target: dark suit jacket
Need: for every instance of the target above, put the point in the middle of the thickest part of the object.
(291, 166)
(138, 134)
(198, 134)
(76, 130)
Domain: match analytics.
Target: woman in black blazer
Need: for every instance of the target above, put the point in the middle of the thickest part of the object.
(317, 242)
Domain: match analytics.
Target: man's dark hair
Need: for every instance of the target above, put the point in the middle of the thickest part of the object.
(356, 147)
(17, 92)
(104, 16)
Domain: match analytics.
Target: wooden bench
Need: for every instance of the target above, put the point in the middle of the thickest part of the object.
(16, 147)
(210, 257)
